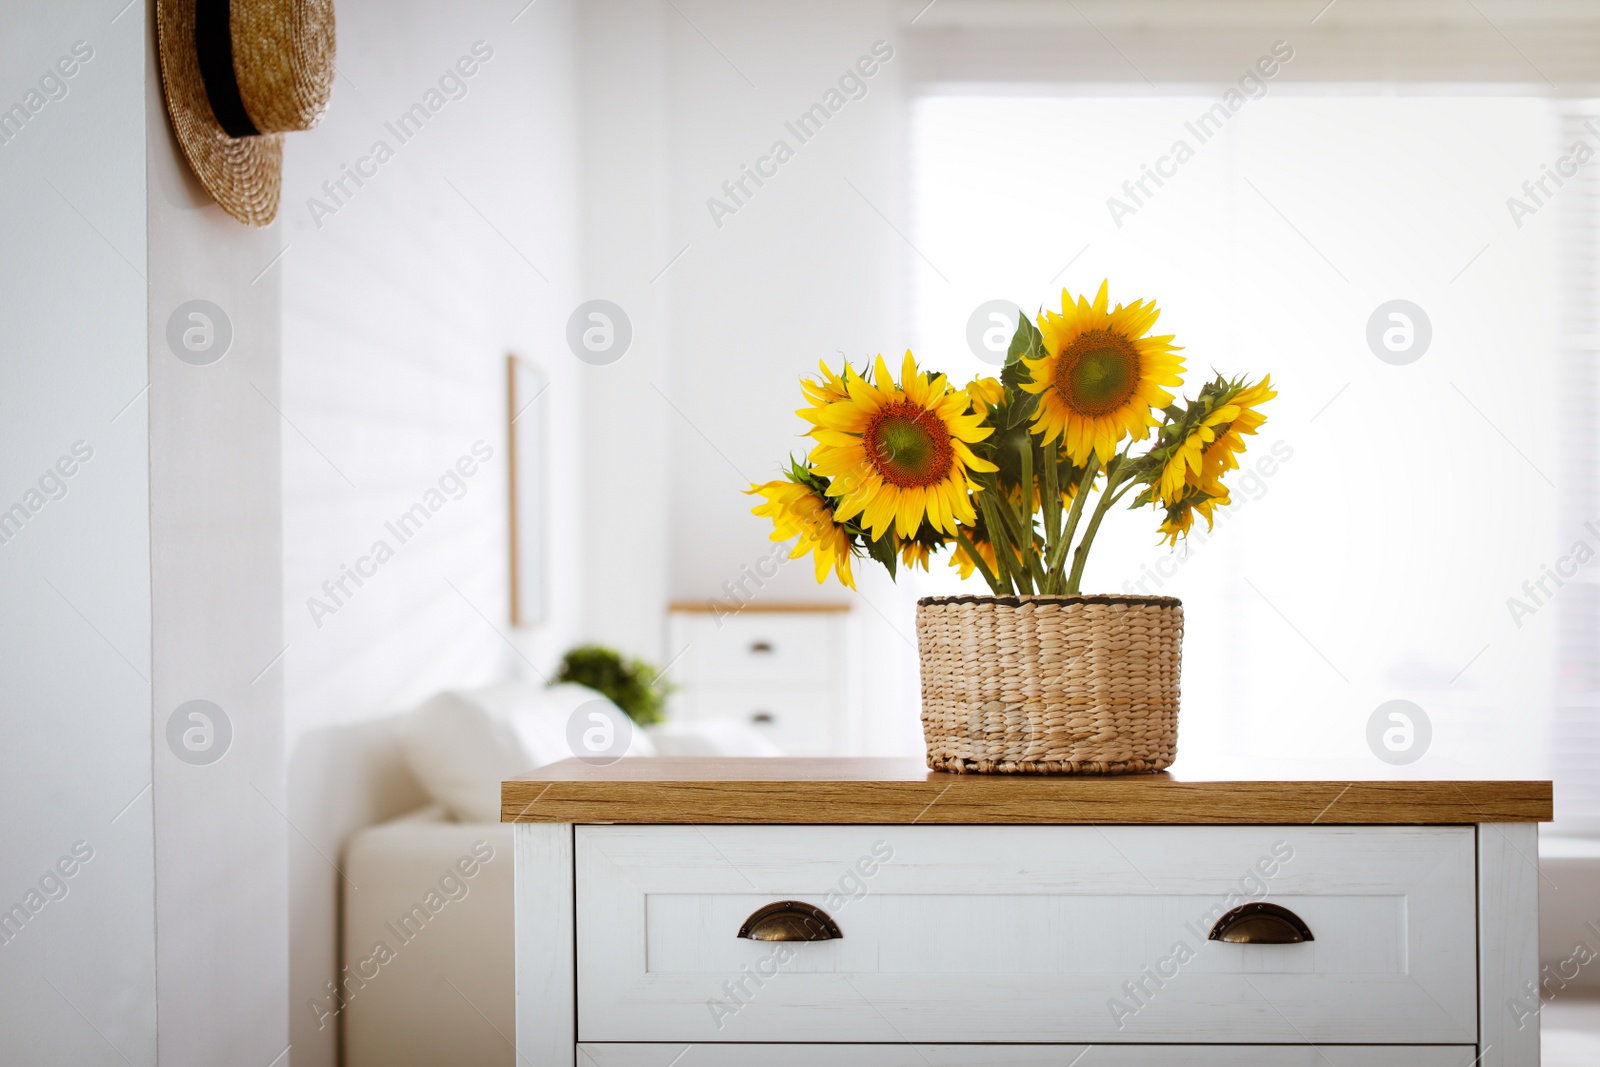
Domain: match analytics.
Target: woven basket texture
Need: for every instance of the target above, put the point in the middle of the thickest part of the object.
(1050, 684)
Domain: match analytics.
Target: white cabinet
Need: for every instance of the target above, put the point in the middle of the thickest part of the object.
(1027, 934)
(909, 1055)
(790, 673)
(869, 913)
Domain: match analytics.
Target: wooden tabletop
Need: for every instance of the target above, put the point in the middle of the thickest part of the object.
(683, 790)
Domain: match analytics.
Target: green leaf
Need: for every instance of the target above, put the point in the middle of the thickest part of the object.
(1020, 411)
(883, 550)
(1026, 342)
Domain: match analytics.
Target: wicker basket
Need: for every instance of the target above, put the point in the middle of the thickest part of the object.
(1050, 684)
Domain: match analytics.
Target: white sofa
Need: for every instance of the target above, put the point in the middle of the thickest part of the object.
(426, 931)
(1569, 915)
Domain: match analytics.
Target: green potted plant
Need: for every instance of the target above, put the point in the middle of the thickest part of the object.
(631, 684)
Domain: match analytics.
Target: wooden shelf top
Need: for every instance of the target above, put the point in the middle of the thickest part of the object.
(723, 607)
(682, 790)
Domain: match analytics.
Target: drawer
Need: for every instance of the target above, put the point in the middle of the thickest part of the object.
(800, 720)
(1047, 934)
(725, 1055)
(759, 647)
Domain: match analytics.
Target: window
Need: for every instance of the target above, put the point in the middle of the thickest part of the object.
(1428, 532)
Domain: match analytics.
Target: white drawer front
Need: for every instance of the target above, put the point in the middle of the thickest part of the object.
(1026, 934)
(760, 647)
(905, 1055)
(800, 720)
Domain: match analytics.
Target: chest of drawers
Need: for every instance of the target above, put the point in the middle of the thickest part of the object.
(873, 913)
(790, 673)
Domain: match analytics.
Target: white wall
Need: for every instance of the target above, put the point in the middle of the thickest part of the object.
(75, 580)
(152, 581)
(221, 839)
(625, 126)
(401, 302)
(807, 269)
(727, 318)
(813, 265)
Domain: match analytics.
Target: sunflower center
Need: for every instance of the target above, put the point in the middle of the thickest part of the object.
(1097, 373)
(908, 445)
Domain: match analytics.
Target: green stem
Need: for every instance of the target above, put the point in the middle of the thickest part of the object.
(1024, 516)
(997, 536)
(1014, 531)
(1035, 564)
(983, 568)
(1125, 490)
(1108, 496)
(1052, 508)
(1058, 551)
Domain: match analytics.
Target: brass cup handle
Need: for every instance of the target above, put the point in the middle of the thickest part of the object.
(1261, 924)
(790, 920)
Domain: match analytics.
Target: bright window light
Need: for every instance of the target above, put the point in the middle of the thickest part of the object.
(1393, 542)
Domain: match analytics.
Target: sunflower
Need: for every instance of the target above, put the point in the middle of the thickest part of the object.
(800, 510)
(978, 534)
(1100, 375)
(961, 560)
(985, 394)
(896, 455)
(1222, 454)
(916, 551)
(1180, 514)
(1209, 448)
(829, 388)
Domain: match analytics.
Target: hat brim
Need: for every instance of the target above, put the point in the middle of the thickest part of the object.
(244, 175)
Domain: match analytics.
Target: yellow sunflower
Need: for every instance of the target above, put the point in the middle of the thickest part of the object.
(915, 553)
(1101, 375)
(1180, 515)
(1222, 454)
(897, 454)
(985, 393)
(961, 560)
(824, 391)
(800, 511)
(1211, 448)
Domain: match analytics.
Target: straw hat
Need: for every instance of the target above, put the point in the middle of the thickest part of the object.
(238, 74)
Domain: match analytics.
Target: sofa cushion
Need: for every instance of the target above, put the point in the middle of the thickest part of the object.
(462, 743)
(722, 735)
(544, 733)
